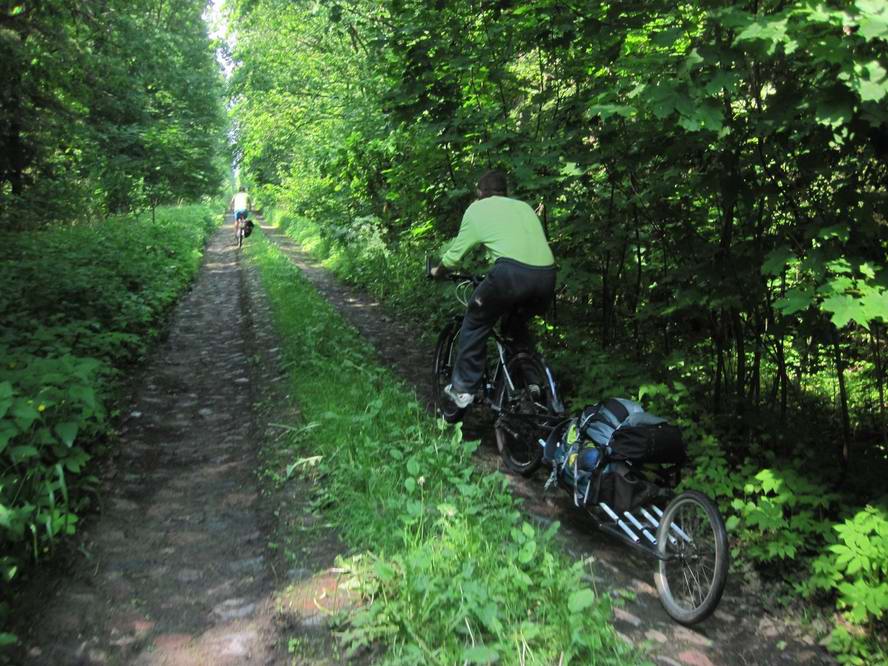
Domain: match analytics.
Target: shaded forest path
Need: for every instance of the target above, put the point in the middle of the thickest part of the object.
(742, 631)
(175, 568)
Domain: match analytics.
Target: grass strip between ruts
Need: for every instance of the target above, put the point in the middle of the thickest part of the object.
(449, 570)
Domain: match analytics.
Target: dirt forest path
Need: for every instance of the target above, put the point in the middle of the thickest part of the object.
(742, 631)
(174, 570)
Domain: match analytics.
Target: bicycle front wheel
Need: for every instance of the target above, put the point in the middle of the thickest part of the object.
(692, 536)
(445, 355)
(524, 408)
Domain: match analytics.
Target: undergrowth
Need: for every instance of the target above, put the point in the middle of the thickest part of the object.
(448, 569)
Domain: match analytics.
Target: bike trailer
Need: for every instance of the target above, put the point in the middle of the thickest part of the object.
(591, 474)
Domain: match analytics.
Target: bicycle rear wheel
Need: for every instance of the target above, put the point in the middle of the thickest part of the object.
(445, 355)
(691, 582)
(525, 405)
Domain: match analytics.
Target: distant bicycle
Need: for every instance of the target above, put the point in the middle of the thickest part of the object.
(243, 227)
(516, 385)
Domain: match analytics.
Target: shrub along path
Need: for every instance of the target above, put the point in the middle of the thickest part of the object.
(742, 631)
(175, 569)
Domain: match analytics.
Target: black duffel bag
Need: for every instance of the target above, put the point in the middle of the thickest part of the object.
(659, 444)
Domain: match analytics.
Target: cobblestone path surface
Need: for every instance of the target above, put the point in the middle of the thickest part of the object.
(174, 568)
(742, 631)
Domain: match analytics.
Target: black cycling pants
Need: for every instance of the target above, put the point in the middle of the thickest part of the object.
(512, 290)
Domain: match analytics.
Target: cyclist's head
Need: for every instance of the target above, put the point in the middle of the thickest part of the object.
(242, 189)
(493, 183)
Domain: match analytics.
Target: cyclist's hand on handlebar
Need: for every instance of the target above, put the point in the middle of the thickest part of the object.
(438, 272)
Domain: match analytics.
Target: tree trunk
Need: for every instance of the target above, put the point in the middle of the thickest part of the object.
(843, 396)
(782, 375)
(638, 276)
(880, 379)
(740, 348)
(755, 383)
(719, 367)
(605, 301)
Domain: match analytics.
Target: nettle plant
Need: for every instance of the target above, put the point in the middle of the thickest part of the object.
(855, 569)
(781, 516)
(47, 407)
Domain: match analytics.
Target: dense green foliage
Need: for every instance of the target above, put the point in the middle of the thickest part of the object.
(714, 180)
(105, 107)
(451, 571)
(79, 305)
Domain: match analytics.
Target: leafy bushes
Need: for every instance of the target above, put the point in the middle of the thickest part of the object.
(78, 305)
(96, 290)
(855, 569)
(358, 254)
(449, 569)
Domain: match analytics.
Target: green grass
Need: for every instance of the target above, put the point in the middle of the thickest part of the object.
(448, 568)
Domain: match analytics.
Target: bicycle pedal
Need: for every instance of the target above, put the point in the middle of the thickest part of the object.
(551, 481)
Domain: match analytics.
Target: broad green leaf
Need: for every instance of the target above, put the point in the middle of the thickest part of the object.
(771, 30)
(24, 414)
(667, 37)
(706, 116)
(871, 81)
(7, 432)
(844, 308)
(690, 124)
(571, 169)
(608, 110)
(838, 231)
(384, 571)
(776, 260)
(840, 266)
(67, 431)
(873, 20)
(833, 113)
(489, 615)
(867, 270)
(797, 298)
(580, 600)
(874, 305)
(527, 551)
(480, 654)
(19, 453)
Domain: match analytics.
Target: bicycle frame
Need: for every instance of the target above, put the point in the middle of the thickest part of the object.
(497, 381)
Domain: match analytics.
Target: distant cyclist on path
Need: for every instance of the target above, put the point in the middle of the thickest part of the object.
(521, 283)
(241, 205)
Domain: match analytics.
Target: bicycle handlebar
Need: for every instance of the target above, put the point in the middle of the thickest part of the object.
(462, 277)
(453, 277)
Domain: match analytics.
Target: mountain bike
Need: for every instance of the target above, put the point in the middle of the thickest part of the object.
(516, 385)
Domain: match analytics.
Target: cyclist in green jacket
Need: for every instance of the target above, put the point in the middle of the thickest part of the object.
(521, 283)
